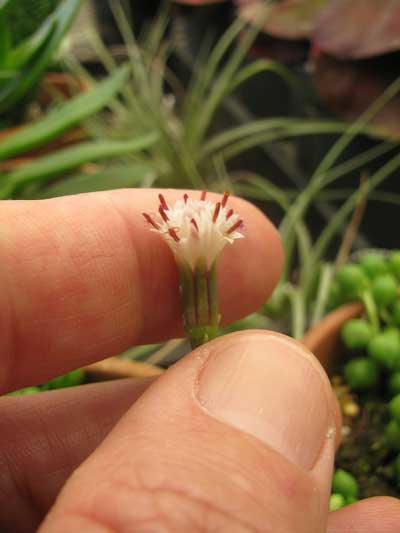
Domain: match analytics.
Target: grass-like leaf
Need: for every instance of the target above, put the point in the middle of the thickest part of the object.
(32, 59)
(64, 116)
(115, 177)
(63, 161)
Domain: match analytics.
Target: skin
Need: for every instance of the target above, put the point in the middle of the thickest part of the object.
(82, 278)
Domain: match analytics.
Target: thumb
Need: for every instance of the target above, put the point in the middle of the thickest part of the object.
(238, 436)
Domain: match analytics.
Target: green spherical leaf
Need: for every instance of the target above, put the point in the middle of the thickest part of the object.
(335, 297)
(374, 264)
(392, 435)
(384, 289)
(396, 312)
(397, 469)
(356, 333)
(361, 373)
(394, 408)
(336, 501)
(345, 484)
(394, 383)
(352, 281)
(384, 348)
(394, 263)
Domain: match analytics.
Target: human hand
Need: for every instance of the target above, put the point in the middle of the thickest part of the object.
(235, 437)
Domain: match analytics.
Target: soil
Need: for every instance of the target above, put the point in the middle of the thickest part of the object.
(364, 453)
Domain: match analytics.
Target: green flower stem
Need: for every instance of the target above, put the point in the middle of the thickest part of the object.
(188, 297)
(213, 296)
(200, 303)
(201, 287)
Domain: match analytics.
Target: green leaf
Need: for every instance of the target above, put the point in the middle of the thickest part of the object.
(24, 52)
(37, 59)
(105, 180)
(64, 116)
(70, 158)
(3, 4)
(5, 41)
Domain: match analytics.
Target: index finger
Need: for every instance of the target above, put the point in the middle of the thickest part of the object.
(82, 278)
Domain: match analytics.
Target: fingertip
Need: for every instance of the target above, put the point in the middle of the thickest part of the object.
(250, 270)
(379, 514)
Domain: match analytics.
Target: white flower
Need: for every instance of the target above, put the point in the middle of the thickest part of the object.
(196, 230)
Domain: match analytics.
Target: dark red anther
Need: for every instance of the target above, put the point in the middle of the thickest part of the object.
(163, 214)
(229, 214)
(185, 198)
(195, 224)
(216, 212)
(151, 221)
(235, 226)
(203, 195)
(163, 203)
(173, 234)
(225, 198)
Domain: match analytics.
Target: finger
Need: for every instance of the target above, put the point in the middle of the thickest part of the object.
(45, 437)
(373, 515)
(83, 278)
(238, 436)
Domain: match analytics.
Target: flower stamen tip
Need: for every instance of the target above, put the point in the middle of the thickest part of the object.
(225, 198)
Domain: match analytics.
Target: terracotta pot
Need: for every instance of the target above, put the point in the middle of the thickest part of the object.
(324, 338)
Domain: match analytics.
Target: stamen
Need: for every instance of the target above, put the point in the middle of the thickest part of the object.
(229, 214)
(151, 221)
(163, 203)
(163, 214)
(203, 195)
(216, 212)
(235, 226)
(225, 198)
(185, 198)
(195, 224)
(173, 234)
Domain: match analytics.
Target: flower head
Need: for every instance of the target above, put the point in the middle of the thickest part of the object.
(196, 230)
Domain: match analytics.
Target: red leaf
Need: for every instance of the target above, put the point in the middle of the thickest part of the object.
(359, 28)
(348, 88)
(288, 19)
(198, 2)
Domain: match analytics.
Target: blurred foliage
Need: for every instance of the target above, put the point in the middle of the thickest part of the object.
(22, 65)
(59, 119)
(25, 16)
(71, 379)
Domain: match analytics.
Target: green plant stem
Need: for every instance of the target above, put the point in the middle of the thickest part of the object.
(370, 309)
(340, 216)
(319, 176)
(298, 311)
(326, 276)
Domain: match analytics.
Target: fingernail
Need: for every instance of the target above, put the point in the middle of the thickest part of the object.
(270, 387)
